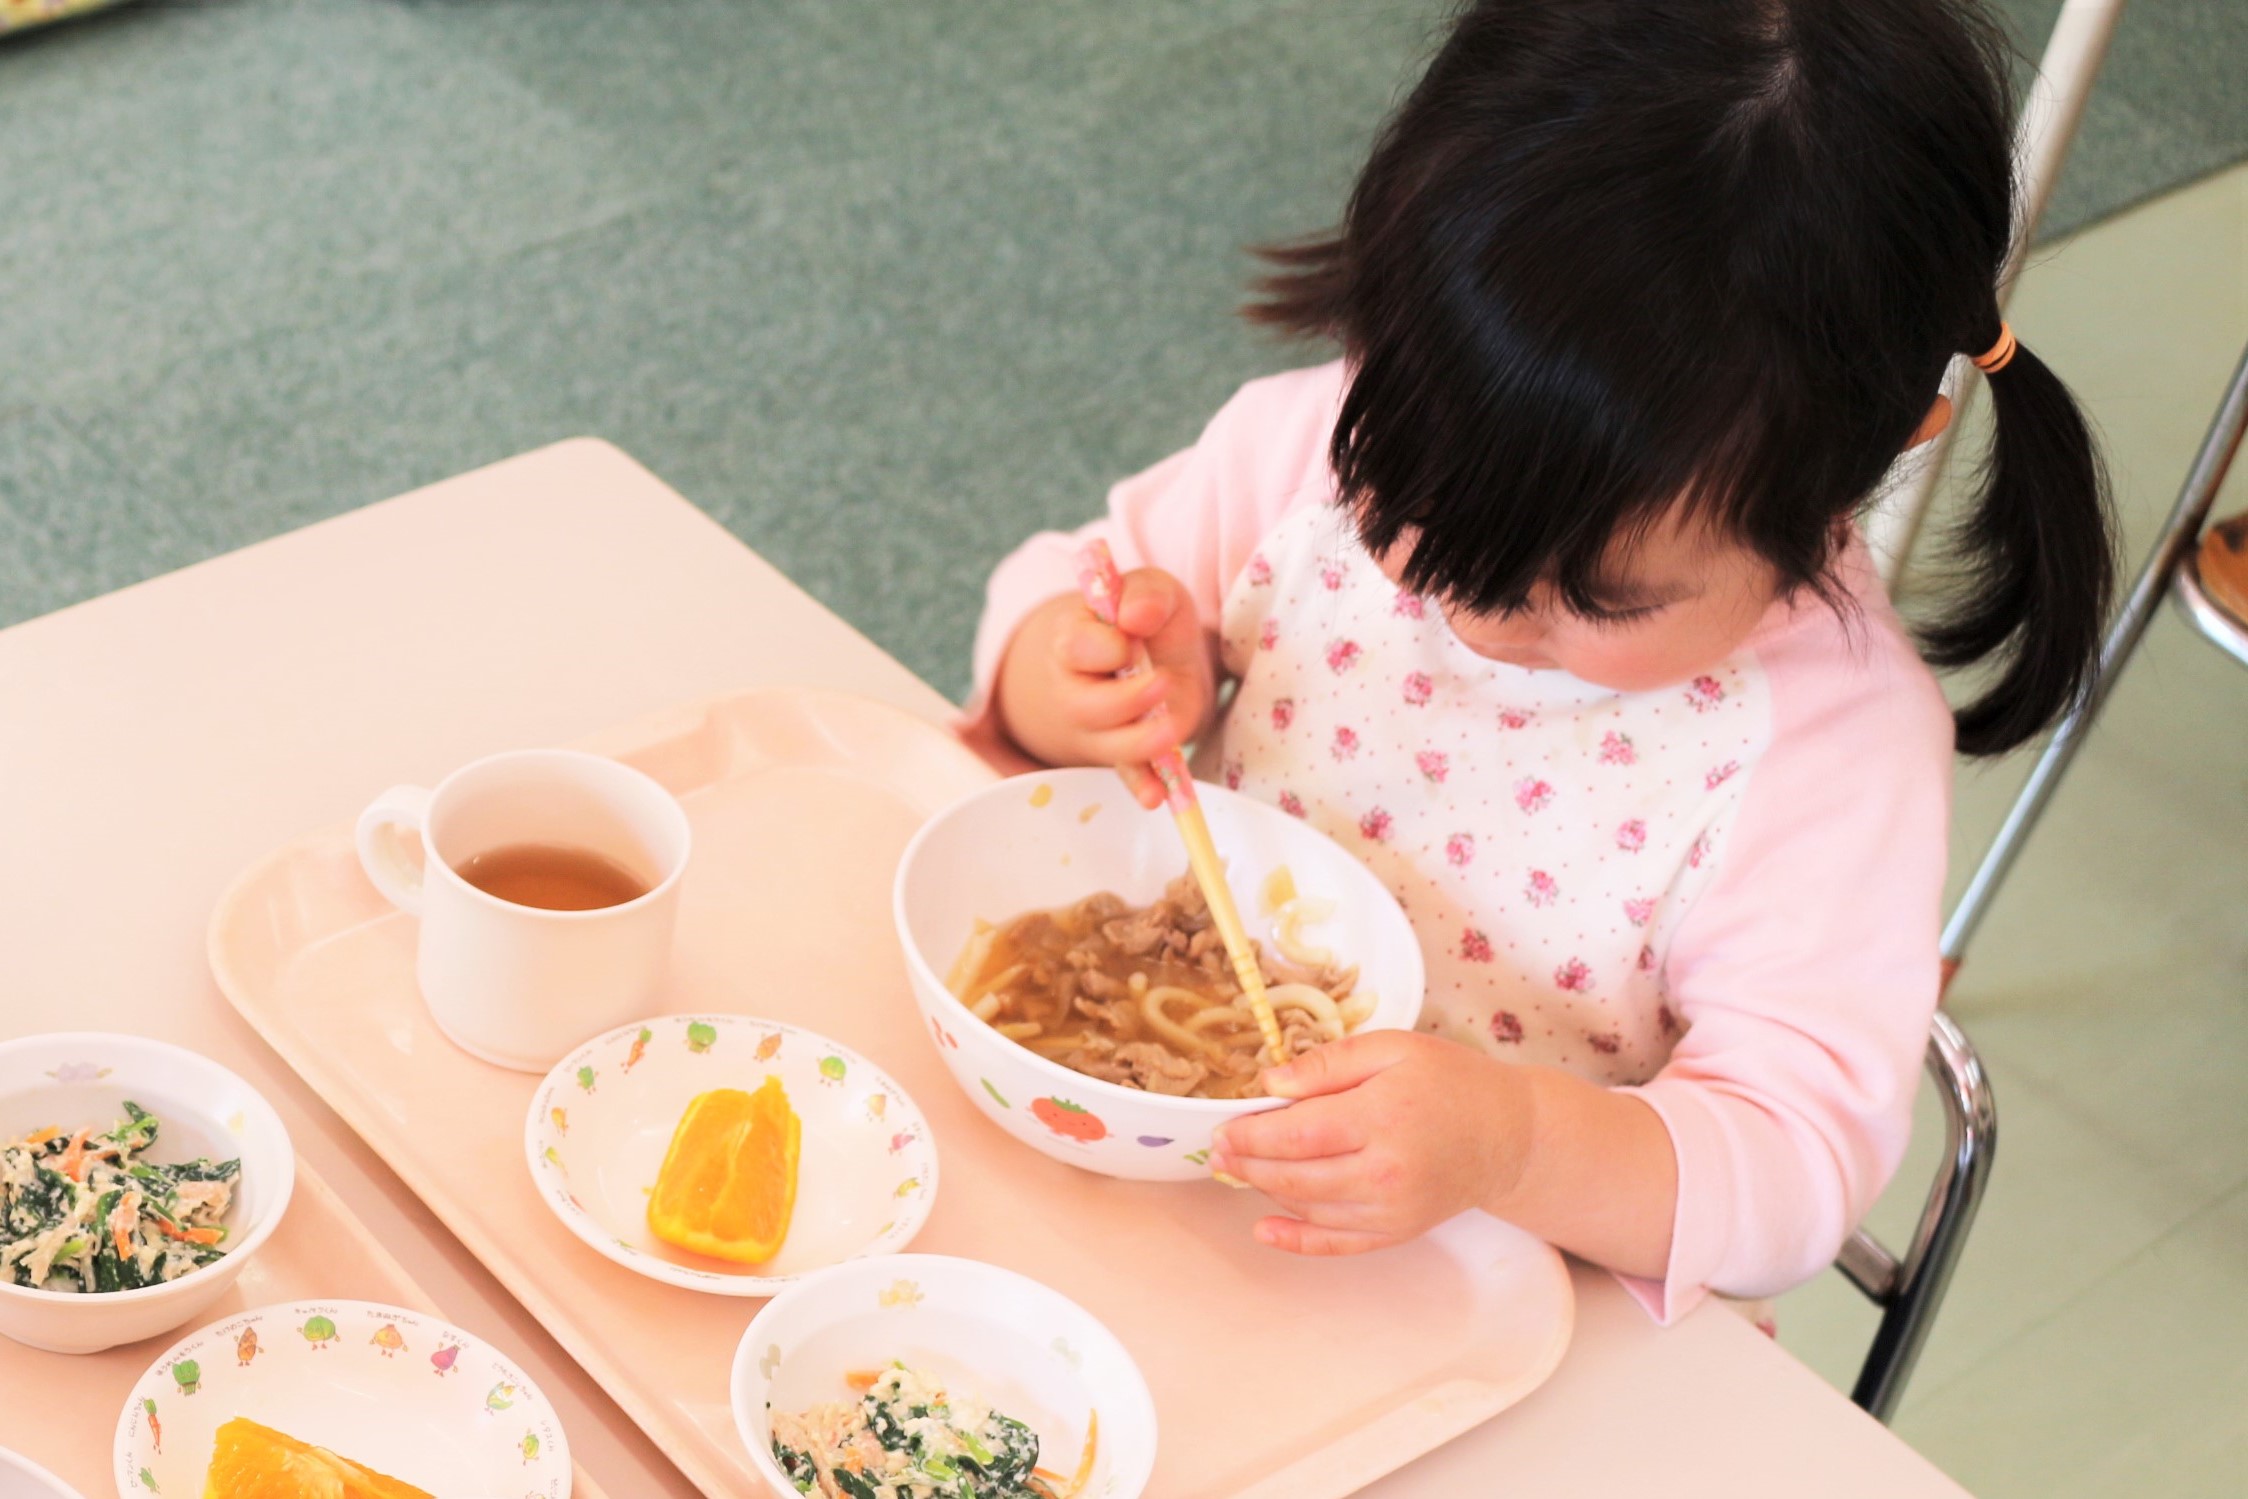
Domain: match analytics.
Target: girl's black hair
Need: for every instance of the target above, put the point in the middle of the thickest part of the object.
(1611, 256)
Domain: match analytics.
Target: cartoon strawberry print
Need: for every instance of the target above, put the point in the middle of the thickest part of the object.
(1459, 850)
(1506, 1028)
(1342, 656)
(1268, 635)
(1721, 775)
(1637, 912)
(1704, 693)
(1617, 749)
(1474, 946)
(1515, 718)
(1632, 836)
(1069, 1120)
(1374, 826)
(1291, 804)
(1542, 889)
(1260, 571)
(1418, 688)
(1532, 794)
(1331, 578)
(1283, 713)
(1434, 764)
(1346, 742)
(1408, 606)
(1573, 976)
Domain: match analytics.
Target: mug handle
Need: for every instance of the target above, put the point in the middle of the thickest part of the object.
(400, 809)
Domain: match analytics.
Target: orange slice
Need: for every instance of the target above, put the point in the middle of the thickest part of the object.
(257, 1462)
(728, 1183)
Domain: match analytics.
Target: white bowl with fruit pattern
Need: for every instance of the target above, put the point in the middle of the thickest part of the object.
(982, 1333)
(406, 1394)
(83, 1080)
(601, 1121)
(1054, 837)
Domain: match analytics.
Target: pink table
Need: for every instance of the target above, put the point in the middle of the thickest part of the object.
(156, 741)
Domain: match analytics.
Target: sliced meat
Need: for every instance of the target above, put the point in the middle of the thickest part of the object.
(1159, 1070)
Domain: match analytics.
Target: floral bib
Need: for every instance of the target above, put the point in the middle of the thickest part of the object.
(1545, 836)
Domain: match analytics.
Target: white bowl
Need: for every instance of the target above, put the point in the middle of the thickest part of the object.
(603, 1118)
(403, 1393)
(21, 1478)
(83, 1079)
(1019, 1347)
(1055, 837)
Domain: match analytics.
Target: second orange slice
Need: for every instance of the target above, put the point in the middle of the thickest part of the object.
(728, 1183)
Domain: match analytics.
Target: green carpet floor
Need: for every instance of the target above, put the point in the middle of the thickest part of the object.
(882, 286)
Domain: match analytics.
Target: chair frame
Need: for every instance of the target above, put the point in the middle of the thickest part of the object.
(1909, 1287)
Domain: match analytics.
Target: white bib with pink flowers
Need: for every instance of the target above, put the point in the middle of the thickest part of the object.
(1545, 836)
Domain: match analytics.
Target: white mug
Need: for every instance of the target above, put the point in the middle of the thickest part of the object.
(520, 985)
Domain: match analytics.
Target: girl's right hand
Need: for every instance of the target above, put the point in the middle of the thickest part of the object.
(1059, 696)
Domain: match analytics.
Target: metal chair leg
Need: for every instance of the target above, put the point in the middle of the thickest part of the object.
(1910, 1288)
(2170, 552)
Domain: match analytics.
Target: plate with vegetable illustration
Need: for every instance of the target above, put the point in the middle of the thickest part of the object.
(353, 1390)
(728, 1154)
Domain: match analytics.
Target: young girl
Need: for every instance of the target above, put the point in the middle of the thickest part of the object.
(1546, 601)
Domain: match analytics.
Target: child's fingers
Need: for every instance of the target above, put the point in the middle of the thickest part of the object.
(1157, 610)
(1338, 1065)
(1104, 704)
(1141, 782)
(1325, 1180)
(1298, 1237)
(1087, 646)
(1301, 1132)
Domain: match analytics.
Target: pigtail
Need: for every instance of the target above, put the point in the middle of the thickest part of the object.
(2037, 563)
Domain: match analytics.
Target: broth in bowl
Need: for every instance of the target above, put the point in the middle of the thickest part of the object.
(1146, 997)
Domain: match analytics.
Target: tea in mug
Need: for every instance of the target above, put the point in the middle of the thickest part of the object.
(553, 877)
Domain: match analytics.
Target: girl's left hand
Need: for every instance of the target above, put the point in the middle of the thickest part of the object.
(1391, 1134)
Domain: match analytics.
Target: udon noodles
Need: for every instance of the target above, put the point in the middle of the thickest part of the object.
(1145, 995)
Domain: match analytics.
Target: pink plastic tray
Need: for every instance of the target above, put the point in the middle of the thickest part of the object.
(61, 1410)
(1272, 1376)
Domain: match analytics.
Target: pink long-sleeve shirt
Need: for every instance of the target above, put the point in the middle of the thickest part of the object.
(1721, 896)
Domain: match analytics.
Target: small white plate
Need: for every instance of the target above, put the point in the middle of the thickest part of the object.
(404, 1394)
(603, 1118)
(1017, 1345)
(21, 1478)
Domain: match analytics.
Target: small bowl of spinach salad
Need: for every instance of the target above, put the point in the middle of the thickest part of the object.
(136, 1179)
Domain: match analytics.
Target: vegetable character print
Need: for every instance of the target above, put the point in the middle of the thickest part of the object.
(585, 1078)
(639, 1048)
(388, 1339)
(501, 1396)
(1069, 1120)
(188, 1375)
(319, 1332)
(831, 1069)
(155, 1427)
(444, 1358)
(246, 1347)
(701, 1037)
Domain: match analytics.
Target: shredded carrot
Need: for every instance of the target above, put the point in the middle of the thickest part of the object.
(123, 1239)
(74, 1158)
(1085, 1463)
(171, 1230)
(862, 1380)
(42, 1136)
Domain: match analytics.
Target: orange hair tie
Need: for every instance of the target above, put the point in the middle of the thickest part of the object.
(2000, 354)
